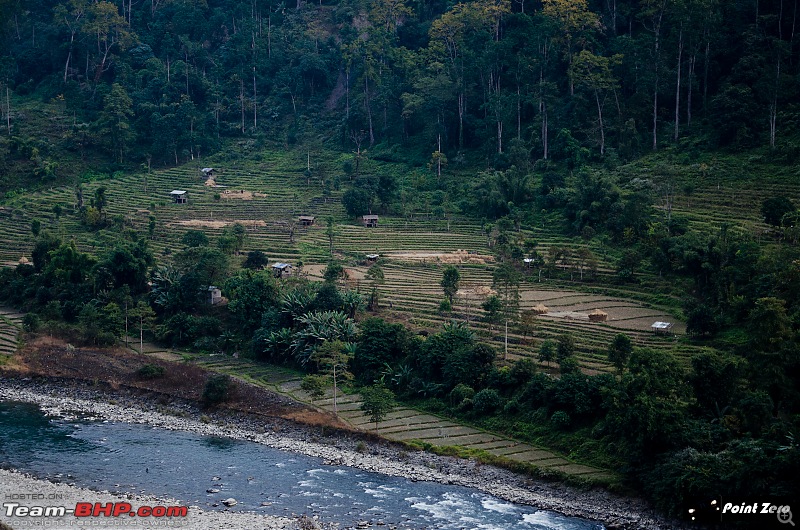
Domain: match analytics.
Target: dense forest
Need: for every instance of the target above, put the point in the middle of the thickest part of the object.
(521, 113)
(567, 80)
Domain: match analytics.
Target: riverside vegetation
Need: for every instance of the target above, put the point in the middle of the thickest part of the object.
(641, 151)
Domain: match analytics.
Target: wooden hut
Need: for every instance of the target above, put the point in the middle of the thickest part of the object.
(662, 327)
(214, 295)
(306, 220)
(540, 309)
(281, 270)
(179, 196)
(207, 172)
(370, 221)
(598, 316)
(372, 258)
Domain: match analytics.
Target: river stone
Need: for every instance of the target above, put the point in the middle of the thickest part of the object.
(212, 490)
(229, 502)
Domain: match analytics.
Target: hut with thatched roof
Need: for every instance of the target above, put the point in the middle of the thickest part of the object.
(598, 316)
(540, 309)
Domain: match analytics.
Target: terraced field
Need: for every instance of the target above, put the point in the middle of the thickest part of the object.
(267, 196)
(403, 423)
(10, 326)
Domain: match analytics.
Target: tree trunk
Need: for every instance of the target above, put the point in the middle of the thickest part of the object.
(612, 7)
(241, 100)
(519, 115)
(368, 109)
(600, 119)
(461, 110)
(705, 77)
(656, 56)
(773, 108)
(678, 87)
(690, 80)
(543, 112)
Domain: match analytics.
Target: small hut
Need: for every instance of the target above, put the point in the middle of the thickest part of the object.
(281, 270)
(179, 196)
(528, 261)
(370, 221)
(306, 220)
(540, 309)
(598, 316)
(214, 295)
(207, 172)
(372, 258)
(662, 327)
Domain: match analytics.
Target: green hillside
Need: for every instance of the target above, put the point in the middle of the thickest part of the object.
(551, 178)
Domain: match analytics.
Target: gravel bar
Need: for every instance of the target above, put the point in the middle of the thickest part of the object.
(66, 399)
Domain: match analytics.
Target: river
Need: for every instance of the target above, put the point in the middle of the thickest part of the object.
(203, 470)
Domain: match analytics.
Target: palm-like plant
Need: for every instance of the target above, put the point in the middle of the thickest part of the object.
(277, 344)
(296, 303)
(352, 303)
(318, 327)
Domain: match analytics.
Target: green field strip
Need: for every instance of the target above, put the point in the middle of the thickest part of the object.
(407, 421)
(552, 461)
(432, 433)
(494, 443)
(512, 449)
(471, 440)
(346, 407)
(572, 469)
(340, 399)
(422, 425)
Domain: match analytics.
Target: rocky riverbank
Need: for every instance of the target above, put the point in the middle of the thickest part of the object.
(44, 493)
(66, 398)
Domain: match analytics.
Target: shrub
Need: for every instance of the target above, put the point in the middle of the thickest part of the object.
(445, 306)
(31, 322)
(460, 393)
(487, 401)
(216, 389)
(150, 371)
(560, 420)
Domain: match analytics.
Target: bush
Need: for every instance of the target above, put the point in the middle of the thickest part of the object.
(460, 393)
(216, 389)
(150, 371)
(445, 306)
(31, 322)
(560, 420)
(487, 401)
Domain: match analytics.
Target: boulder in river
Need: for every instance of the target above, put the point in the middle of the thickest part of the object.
(229, 502)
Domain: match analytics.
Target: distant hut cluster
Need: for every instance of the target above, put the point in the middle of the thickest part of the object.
(598, 316)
